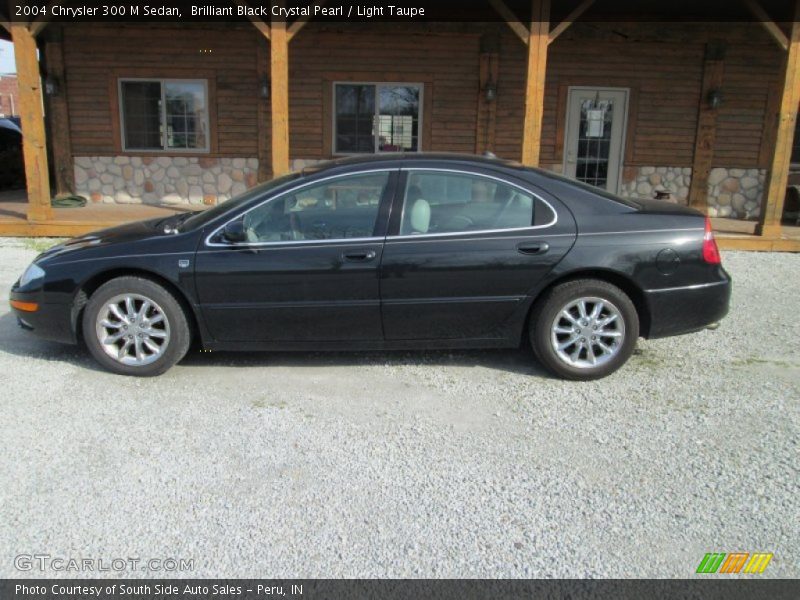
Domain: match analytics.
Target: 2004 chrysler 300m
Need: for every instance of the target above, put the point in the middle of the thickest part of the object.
(414, 251)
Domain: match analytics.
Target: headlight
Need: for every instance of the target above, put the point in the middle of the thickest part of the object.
(32, 273)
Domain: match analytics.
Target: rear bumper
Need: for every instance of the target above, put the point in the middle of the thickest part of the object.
(674, 311)
(50, 321)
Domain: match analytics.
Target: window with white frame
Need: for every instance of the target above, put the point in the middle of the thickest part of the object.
(376, 117)
(164, 114)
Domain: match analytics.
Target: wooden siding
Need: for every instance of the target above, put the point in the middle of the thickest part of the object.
(664, 78)
(665, 81)
(95, 56)
(447, 65)
(752, 75)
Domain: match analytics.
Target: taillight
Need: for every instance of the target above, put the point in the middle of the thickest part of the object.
(710, 250)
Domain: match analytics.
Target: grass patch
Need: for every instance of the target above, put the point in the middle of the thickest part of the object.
(752, 361)
(40, 244)
(647, 360)
(265, 404)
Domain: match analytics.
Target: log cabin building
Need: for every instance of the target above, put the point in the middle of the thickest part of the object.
(188, 115)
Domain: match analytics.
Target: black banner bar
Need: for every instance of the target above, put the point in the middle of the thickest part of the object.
(711, 588)
(395, 11)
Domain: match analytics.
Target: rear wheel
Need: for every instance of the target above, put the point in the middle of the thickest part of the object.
(584, 329)
(133, 326)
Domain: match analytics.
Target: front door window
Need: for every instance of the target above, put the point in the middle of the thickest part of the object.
(339, 209)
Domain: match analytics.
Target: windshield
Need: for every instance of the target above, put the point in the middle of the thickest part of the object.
(199, 219)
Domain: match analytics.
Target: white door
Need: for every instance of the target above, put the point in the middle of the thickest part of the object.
(595, 131)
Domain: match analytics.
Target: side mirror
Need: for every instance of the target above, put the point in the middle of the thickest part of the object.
(234, 232)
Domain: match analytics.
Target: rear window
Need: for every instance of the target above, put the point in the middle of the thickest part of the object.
(590, 188)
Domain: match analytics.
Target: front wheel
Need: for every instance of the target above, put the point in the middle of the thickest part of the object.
(584, 329)
(133, 326)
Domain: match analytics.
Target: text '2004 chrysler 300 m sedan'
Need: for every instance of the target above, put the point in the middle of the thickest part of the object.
(413, 251)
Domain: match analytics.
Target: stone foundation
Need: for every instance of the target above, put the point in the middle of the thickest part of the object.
(647, 180)
(298, 164)
(163, 179)
(735, 193)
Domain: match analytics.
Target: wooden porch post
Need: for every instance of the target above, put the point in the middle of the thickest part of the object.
(769, 223)
(706, 132)
(279, 71)
(64, 172)
(486, 121)
(34, 149)
(538, 37)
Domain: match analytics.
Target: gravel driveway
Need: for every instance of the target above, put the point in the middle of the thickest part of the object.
(438, 464)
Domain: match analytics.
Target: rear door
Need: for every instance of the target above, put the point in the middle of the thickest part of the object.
(464, 250)
(309, 271)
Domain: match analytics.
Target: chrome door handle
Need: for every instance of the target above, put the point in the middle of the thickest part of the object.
(359, 256)
(533, 248)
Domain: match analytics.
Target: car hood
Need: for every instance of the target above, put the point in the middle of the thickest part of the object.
(152, 235)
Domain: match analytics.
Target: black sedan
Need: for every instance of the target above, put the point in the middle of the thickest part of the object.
(413, 251)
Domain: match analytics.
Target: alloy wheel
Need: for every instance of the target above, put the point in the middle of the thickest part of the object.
(587, 332)
(133, 329)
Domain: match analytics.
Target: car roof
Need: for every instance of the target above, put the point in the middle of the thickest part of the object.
(398, 158)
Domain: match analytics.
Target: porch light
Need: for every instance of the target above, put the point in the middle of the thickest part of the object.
(715, 98)
(490, 91)
(52, 86)
(263, 90)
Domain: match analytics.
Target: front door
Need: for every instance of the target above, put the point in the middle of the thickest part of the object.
(595, 131)
(309, 271)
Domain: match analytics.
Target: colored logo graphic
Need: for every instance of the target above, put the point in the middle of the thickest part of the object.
(719, 562)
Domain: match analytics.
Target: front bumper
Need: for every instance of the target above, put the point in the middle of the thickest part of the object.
(50, 321)
(675, 311)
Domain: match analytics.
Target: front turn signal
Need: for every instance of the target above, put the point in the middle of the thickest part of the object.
(25, 306)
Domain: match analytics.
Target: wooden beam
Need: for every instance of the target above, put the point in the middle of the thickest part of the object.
(263, 126)
(34, 144)
(58, 121)
(43, 20)
(534, 81)
(769, 223)
(511, 19)
(706, 132)
(6, 25)
(279, 71)
(295, 27)
(767, 23)
(486, 121)
(569, 20)
(38, 25)
(259, 24)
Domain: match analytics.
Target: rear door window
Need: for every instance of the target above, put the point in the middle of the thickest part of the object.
(447, 202)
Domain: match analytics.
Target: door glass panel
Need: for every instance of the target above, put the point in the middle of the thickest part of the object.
(346, 207)
(355, 111)
(398, 118)
(450, 203)
(186, 114)
(141, 114)
(594, 141)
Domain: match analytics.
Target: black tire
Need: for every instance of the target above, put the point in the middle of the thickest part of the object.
(178, 333)
(543, 319)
